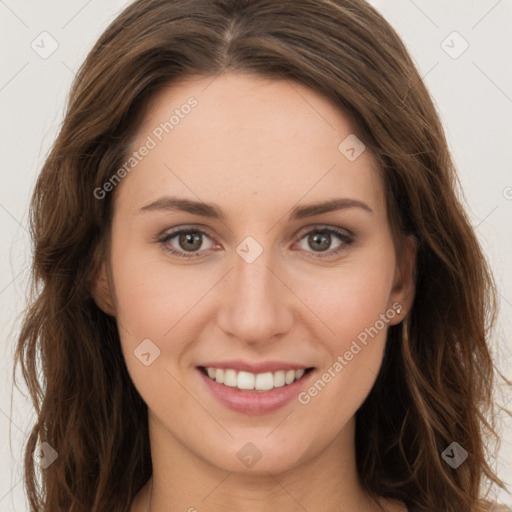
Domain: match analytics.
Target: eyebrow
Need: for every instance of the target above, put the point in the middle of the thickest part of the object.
(213, 211)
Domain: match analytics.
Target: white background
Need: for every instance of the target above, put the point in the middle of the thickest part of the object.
(473, 93)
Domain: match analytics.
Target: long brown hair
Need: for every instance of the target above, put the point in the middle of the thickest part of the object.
(436, 381)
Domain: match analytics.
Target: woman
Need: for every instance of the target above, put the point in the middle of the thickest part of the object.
(258, 289)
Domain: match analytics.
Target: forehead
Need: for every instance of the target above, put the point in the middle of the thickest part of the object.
(247, 140)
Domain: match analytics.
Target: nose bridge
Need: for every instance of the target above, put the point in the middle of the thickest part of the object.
(255, 308)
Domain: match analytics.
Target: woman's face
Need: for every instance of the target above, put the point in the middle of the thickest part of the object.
(263, 279)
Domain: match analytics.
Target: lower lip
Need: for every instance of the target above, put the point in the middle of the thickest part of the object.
(255, 402)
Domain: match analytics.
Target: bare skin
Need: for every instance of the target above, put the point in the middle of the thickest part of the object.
(257, 149)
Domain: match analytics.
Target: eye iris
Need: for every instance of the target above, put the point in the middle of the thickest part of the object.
(190, 238)
(317, 237)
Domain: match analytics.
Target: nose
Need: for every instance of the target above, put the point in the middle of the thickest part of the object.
(257, 305)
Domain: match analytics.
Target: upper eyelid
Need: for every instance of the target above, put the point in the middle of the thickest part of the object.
(205, 230)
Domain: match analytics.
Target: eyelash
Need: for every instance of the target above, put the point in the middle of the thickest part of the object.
(343, 237)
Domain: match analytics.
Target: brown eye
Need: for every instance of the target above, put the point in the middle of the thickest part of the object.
(190, 241)
(185, 243)
(320, 240)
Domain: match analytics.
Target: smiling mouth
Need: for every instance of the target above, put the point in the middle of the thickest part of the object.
(259, 382)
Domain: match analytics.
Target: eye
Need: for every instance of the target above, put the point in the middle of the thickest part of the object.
(320, 240)
(188, 242)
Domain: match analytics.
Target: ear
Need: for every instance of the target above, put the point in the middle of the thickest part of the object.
(402, 293)
(102, 292)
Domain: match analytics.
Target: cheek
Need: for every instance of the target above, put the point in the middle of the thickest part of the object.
(152, 295)
(354, 304)
(349, 299)
(156, 302)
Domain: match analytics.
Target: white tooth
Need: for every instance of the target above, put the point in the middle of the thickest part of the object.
(246, 380)
(219, 375)
(230, 378)
(279, 379)
(290, 376)
(264, 381)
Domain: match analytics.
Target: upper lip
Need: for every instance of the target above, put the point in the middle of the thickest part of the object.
(261, 367)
